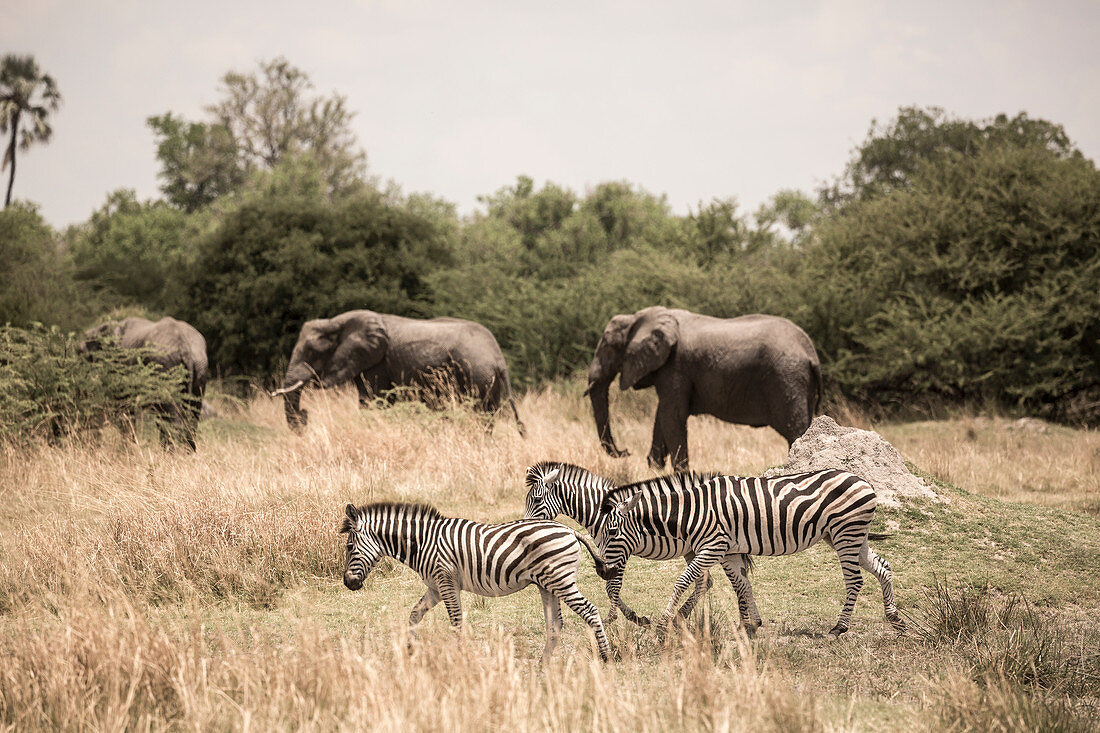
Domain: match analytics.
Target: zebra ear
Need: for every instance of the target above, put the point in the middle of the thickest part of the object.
(551, 478)
(352, 512)
(632, 503)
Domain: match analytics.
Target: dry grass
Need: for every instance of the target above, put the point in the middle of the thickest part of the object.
(1033, 461)
(78, 672)
(148, 589)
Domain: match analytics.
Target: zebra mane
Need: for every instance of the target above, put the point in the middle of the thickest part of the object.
(660, 484)
(571, 474)
(398, 509)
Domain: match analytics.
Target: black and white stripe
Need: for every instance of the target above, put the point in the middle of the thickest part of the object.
(453, 555)
(555, 488)
(727, 516)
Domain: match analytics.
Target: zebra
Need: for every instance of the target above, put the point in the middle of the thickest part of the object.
(725, 516)
(555, 488)
(453, 554)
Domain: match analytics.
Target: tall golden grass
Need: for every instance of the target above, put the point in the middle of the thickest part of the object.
(1027, 461)
(143, 588)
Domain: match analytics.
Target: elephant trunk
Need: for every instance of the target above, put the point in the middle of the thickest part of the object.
(293, 383)
(598, 392)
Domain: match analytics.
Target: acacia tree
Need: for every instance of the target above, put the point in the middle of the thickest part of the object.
(199, 161)
(27, 96)
(892, 154)
(263, 119)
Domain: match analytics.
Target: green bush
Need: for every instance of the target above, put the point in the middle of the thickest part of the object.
(545, 270)
(49, 391)
(37, 284)
(279, 260)
(976, 283)
(133, 252)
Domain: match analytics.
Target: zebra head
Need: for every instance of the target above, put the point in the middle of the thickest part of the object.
(614, 534)
(543, 502)
(363, 550)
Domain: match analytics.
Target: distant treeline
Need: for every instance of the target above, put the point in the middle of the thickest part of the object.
(952, 262)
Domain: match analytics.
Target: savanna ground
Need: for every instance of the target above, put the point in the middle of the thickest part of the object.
(151, 589)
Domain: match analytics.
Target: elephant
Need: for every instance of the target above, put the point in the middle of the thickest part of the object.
(753, 370)
(173, 342)
(379, 352)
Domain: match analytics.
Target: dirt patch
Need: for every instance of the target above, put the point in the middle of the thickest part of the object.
(863, 452)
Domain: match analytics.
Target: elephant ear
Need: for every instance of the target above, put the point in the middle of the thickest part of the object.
(649, 348)
(616, 331)
(363, 343)
(608, 359)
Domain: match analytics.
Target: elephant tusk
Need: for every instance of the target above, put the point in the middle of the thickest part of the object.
(292, 388)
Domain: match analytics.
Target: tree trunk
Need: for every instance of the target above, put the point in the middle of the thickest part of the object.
(11, 157)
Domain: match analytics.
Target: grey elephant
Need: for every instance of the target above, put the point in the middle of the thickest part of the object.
(172, 343)
(380, 352)
(753, 370)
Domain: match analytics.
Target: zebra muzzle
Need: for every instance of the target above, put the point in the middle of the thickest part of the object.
(352, 581)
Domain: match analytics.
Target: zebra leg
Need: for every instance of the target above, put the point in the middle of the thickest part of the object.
(425, 604)
(692, 574)
(449, 593)
(878, 567)
(584, 608)
(614, 588)
(701, 587)
(853, 582)
(551, 608)
(737, 572)
(704, 584)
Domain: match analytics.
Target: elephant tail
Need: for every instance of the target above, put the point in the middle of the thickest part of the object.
(817, 393)
(503, 375)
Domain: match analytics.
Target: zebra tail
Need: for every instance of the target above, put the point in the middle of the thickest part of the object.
(602, 568)
(876, 536)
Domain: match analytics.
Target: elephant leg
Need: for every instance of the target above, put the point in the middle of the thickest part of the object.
(671, 422)
(658, 452)
(191, 416)
(789, 411)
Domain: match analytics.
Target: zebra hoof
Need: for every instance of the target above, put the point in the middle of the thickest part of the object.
(898, 624)
(837, 630)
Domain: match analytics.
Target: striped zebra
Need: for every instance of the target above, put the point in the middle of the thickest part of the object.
(453, 555)
(726, 516)
(556, 488)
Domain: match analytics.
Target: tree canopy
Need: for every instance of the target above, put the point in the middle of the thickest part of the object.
(262, 119)
(892, 153)
(977, 282)
(952, 262)
(27, 97)
(132, 252)
(278, 261)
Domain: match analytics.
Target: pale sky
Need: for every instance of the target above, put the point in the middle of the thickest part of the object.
(694, 100)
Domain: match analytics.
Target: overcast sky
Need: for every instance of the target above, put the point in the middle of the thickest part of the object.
(694, 100)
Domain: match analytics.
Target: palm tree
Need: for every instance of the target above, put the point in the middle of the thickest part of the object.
(25, 92)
